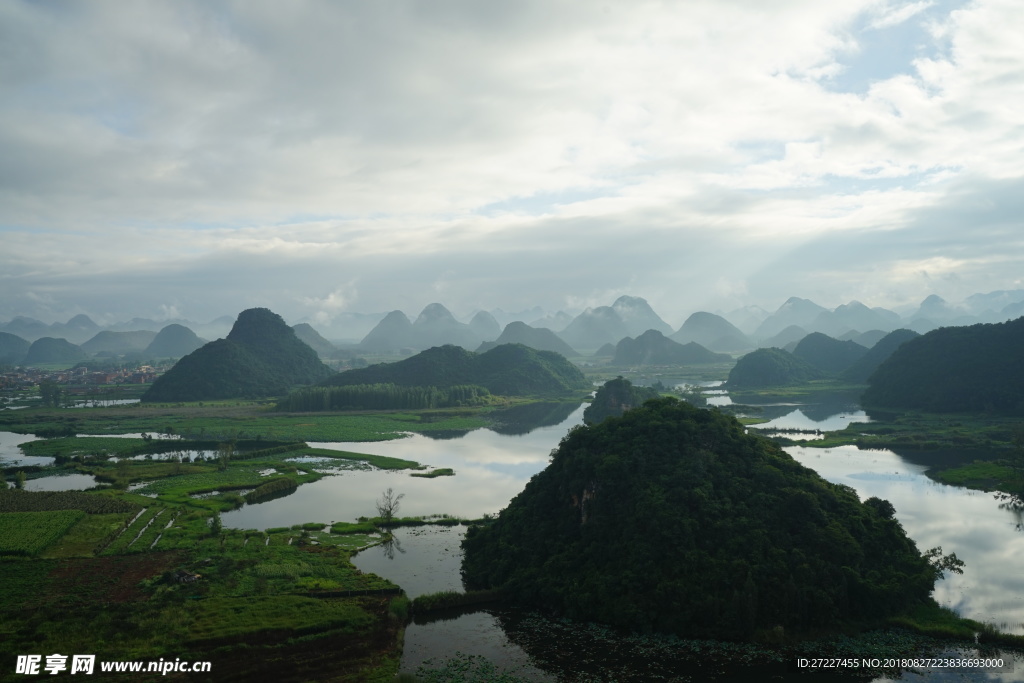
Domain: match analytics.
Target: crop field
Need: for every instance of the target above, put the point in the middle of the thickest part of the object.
(29, 533)
(13, 500)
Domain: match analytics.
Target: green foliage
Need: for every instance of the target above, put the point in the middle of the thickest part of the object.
(865, 366)
(654, 348)
(829, 355)
(271, 489)
(50, 392)
(382, 397)
(671, 518)
(975, 369)
(29, 533)
(770, 367)
(616, 397)
(505, 370)
(91, 503)
(453, 599)
(260, 357)
(439, 472)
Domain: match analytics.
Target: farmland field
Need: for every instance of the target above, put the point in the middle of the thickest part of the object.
(29, 533)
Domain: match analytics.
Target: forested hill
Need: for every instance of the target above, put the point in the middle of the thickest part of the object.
(770, 367)
(614, 398)
(671, 518)
(260, 357)
(507, 370)
(979, 368)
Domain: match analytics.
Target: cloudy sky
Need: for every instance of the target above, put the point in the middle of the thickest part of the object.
(198, 158)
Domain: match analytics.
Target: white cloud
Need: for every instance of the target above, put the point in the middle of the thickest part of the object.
(501, 154)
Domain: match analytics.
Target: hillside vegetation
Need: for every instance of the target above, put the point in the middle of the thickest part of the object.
(671, 518)
(614, 398)
(770, 367)
(506, 370)
(979, 368)
(260, 357)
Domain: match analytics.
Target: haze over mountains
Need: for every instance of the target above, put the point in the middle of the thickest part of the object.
(596, 329)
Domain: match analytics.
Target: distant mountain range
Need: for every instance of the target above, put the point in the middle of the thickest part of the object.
(734, 332)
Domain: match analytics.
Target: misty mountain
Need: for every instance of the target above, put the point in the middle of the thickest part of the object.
(594, 327)
(392, 333)
(260, 357)
(638, 316)
(485, 326)
(829, 355)
(980, 304)
(796, 311)
(863, 368)
(117, 343)
(436, 326)
(507, 370)
(654, 348)
(313, 339)
(787, 337)
(865, 339)
(747, 319)
(53, 350)
(173, 341)
(27, 328)
(541, 339)
(555, 322)
(503, 317)
(12, 348)
(854, 316)
(770, 367)
(712, 332)
(935, 312)
(606, 351)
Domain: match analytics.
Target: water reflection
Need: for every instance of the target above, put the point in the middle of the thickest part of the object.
(62, 482)
(969, 523)
(490, 469)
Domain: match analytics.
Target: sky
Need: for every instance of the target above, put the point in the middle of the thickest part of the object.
(193, 159)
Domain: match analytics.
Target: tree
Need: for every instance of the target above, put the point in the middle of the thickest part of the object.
(50, 392)
(387, 505)
(19, 480)
(216, 526)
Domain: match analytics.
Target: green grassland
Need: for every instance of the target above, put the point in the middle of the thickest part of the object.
(239, 420)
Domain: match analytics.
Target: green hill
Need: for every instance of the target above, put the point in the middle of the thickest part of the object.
(540, 338)
(53, 350)
(506, 370)
(770, 367)
(111, 342)
(614, 398)
(173, 341)
(261, 356)
(654, 348)
(671, 518)
(979, 368)
(864, 367)
(12, 348)
(829, 355)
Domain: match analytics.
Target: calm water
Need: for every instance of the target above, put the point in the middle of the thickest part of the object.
(490, 469)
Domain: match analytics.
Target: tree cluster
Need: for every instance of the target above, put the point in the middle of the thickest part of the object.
(978, 368)
(382, 397)
(671, 518)
(505, 370)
